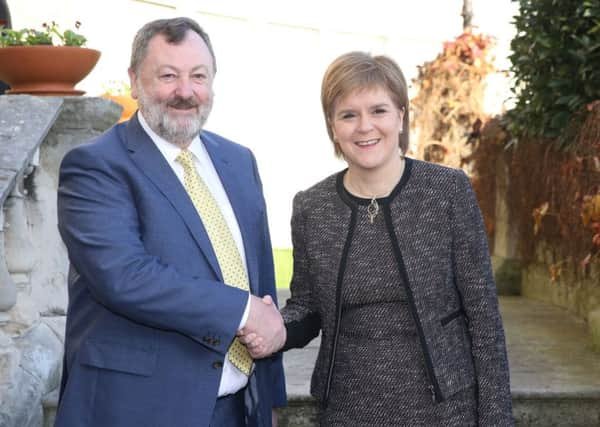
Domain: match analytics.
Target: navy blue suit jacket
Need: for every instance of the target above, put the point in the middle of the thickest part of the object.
(149, 319)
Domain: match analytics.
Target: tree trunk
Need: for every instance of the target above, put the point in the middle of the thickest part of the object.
(467, 14)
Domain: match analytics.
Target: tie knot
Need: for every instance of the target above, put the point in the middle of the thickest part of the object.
(186, 158)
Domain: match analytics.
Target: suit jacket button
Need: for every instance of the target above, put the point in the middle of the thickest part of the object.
(216, 342)
(206, 339)
(217, 365)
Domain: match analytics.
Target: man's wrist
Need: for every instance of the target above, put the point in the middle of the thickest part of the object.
(246, 312)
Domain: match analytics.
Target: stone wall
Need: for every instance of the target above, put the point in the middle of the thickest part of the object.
(35, 132)
(576, 291)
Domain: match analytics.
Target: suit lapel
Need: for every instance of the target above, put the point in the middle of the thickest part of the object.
(152, 163)
(237, 190)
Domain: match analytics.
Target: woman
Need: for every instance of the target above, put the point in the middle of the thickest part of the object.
(391, 264)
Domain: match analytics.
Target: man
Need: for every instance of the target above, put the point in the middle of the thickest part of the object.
(166, 229)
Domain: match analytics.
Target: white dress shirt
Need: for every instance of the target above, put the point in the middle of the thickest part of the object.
(232, 379)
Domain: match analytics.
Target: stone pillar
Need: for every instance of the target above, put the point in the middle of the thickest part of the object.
(8, 290)
(505, 259)
(20, 259)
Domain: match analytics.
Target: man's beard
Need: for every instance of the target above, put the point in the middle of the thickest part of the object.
(178, 130)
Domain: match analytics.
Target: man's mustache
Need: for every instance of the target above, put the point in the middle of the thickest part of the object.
(183, 103)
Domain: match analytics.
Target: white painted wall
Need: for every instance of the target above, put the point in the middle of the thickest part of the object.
(271, 56)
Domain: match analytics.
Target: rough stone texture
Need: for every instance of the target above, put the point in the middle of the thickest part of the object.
(578, 293)
(8, 289)
(31, 356)
(32, 372)
(594, 327)
(505, 259)
(508, 275)
(50, 403)
(544, 411)
(24, 122)
(81, 119)
(300, 412)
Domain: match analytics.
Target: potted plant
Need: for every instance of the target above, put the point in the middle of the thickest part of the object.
(45, 62)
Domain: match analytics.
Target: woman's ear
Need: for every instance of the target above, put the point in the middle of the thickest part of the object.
(401, 114)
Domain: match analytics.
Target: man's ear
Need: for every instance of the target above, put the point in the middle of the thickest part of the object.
(133, 83)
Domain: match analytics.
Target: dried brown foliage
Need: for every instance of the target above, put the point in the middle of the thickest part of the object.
(553, 195)
(448, 109)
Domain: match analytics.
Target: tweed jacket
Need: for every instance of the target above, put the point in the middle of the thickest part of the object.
(441, 248)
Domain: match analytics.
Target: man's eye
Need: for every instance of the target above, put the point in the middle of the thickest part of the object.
(199, 76)
(168, 76)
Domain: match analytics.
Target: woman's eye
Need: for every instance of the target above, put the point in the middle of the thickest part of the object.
(380, 111)
(347, 116)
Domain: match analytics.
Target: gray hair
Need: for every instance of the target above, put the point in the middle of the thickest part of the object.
(174, 30)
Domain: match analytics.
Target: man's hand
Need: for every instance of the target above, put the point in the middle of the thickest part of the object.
(264, 332)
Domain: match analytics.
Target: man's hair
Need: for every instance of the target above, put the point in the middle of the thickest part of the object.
(360, 70)
(174, 31)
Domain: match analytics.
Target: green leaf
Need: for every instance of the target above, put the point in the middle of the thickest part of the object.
(560, 120)
(564, 100)
(557, 83)
(575, 102)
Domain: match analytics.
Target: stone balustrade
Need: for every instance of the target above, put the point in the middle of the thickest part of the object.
(35, 133)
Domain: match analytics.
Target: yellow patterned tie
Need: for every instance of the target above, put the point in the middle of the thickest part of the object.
(230, 262)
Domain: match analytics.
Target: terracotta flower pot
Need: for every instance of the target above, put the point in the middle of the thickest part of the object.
(46, 70)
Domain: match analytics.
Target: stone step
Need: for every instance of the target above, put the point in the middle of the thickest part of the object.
(555, 375)
(530, 410)
(543, 410)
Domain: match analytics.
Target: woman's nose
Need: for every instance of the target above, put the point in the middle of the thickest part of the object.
(364, 124)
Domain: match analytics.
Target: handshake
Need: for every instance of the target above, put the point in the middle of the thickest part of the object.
(264, 332)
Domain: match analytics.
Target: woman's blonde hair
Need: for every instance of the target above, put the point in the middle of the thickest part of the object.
(360, 70)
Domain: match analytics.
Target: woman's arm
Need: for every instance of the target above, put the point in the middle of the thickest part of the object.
(300, 314)
(474, 279)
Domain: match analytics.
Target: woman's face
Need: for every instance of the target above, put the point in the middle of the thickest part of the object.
(367, 124)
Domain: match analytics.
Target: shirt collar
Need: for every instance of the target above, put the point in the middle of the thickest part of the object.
(171, 151)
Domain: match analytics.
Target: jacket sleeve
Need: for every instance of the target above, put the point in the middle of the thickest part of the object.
(300, 314)
(98, 222)
(267, 287)
(475, 282)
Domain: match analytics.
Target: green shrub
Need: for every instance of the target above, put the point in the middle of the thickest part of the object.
(556, 65)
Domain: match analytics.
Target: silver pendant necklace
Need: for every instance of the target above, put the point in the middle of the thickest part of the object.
(372, 209)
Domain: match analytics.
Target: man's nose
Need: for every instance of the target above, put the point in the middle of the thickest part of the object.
(184, 87)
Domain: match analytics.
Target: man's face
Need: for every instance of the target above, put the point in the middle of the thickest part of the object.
(173, 86)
